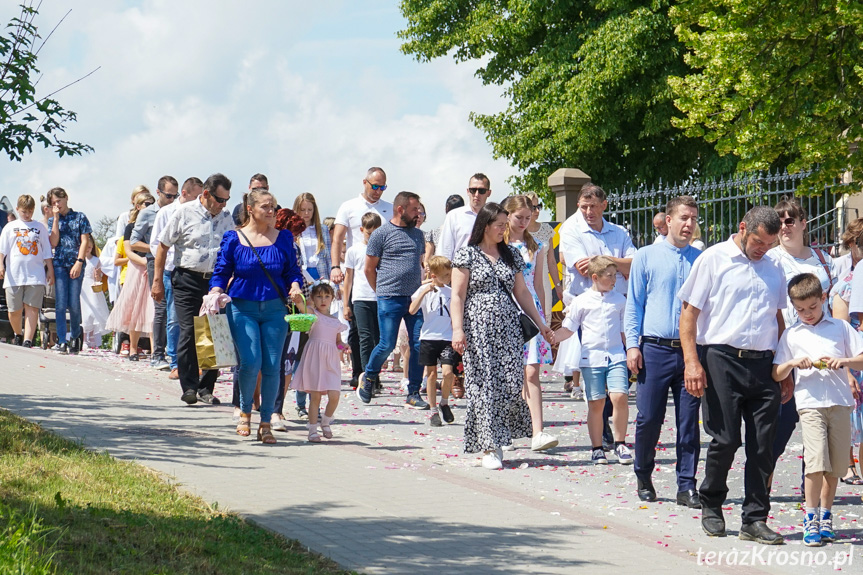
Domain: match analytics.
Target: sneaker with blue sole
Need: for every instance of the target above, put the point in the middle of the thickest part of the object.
(811, 531)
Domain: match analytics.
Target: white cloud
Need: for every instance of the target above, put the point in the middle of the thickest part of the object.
(190, 88)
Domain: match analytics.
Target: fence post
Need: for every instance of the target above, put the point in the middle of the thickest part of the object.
(566, 184)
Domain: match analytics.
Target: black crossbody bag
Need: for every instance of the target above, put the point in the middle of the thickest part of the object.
(529, 330)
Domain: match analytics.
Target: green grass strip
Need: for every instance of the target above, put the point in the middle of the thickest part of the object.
(64, 509)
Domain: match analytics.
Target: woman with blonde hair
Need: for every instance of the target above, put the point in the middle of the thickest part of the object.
(315, 240)
(544, 234)
(537, 351)
(133, 311)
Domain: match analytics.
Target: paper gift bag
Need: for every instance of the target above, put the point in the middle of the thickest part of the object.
(213, 342)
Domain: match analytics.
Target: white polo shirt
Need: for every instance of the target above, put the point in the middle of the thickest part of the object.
(455, 232)
(828, 338)
(600, 316)
(351, 214)
(738, 298)
(579, 241)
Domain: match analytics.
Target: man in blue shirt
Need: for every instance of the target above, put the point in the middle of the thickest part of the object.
(651, 324)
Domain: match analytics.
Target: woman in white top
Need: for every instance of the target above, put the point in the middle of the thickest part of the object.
(796, 257)
(314, 242)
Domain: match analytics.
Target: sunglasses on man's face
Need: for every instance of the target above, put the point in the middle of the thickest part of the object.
(477, 190)
(376, 187)
(169, 196)
(222, 201)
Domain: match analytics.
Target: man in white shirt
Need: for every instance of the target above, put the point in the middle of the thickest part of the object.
(347, 231)
(732, 308)
(348, 226)
(190, 191)
(195, 231)
(660, 227)
(458, 224)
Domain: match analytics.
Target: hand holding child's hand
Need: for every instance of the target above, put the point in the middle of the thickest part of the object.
(547, 333)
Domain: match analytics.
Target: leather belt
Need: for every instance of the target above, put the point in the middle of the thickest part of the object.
(743, 353)
(674, 343)
(205, 275)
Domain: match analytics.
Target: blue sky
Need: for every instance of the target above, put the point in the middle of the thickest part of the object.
(309, 93)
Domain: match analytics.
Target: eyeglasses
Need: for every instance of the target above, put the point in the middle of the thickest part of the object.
(170, 196)
(222, 201)
(537, 207)
(147, 203)
(477, 190)
(789, 221)
(376, 187)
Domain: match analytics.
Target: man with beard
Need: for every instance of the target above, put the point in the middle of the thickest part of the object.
(393, 268)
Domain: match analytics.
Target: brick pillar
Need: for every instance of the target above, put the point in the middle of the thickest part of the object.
(566, 184)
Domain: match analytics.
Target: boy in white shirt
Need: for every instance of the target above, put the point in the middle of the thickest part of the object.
(599, 312)
(25, 255)
(434, 298)
(363, 306)
(821, 348)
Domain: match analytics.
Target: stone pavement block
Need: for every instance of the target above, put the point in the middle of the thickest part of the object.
(390, 494)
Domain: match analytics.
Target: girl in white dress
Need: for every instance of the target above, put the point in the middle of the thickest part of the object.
(94, 307)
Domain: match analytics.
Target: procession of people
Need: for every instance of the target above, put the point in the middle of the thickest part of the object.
(752, 335)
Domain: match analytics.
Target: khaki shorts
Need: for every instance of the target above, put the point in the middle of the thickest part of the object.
(19, 296)
(826, 439)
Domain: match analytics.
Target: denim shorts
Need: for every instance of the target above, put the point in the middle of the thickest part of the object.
(598, 381)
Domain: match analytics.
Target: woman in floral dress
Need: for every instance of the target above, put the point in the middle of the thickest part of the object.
(486, 332)
(536, 351)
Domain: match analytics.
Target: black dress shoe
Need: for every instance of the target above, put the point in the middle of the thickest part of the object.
(689, 498)
(713, 522)
(646, 491)
(190, 397)
(759, 532)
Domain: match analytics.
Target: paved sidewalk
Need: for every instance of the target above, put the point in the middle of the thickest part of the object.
(389, 494)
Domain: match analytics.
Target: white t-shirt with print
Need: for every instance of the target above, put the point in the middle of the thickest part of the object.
(26, 247)
(437, 322)
(355, 259)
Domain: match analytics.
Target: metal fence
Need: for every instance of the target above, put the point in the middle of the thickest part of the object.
(722, 203)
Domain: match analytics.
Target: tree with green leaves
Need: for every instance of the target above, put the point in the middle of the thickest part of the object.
(586, 82)
(25, 118)
(775, 83)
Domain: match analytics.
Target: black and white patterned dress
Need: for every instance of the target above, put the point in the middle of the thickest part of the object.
(493, 358)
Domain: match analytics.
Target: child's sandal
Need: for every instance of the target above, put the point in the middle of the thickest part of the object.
(325, 427)
(244, 426)
(313, 434)
(265, 434)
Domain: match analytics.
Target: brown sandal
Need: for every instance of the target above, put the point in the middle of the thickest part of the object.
(244, 426)
(265, 434)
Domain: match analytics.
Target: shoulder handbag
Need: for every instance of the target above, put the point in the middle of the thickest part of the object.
(824, 265)
(285, 301)
(528, 328)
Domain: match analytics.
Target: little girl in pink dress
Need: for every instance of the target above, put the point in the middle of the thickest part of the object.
(319, 371)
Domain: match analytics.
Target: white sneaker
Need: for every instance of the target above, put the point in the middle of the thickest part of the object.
(492, 461)
(542, 441)
(577, 393)
(277, 423)
(404, 384)
(509, 447)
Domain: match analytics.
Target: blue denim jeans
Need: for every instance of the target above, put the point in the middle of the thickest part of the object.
(391, 311)
(259, 329)
(68, 297)
(173, 329)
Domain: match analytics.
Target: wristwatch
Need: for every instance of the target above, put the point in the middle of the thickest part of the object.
(80, 260)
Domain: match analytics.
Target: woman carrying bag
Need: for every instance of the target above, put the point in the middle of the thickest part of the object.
(262, 263)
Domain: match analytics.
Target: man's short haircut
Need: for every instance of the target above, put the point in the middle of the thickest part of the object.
(329, 222)
(791, 207)
(439, 265)
(853, 234)
(483, 177)
(259, 177)
(192, 182)
(599, 264)
(371, 172)
(165, 180)
(674, 203)
(26, 202)
(590, 191)
(453, 202)
(402, 199)
(804, 286)
(217, 181)
(763, 217)
(370, 220)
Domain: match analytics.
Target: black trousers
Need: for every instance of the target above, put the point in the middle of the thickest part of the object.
(357, 364)
(160, 317)
(189, 291)
(739, 390)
